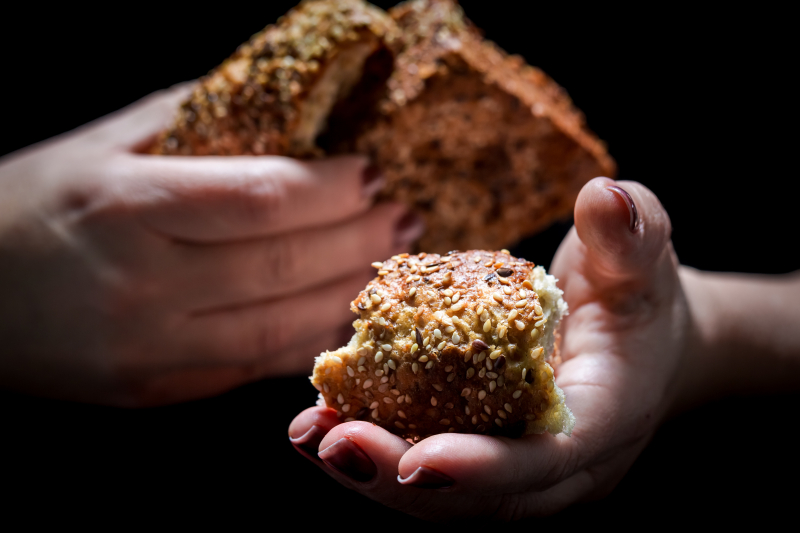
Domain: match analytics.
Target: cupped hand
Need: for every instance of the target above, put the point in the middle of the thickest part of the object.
(132, 279)
(622, 348)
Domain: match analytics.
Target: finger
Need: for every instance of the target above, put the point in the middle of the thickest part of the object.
(263, 331)
(141, 120)
(187, 384)
(218, 199)
(625, 230)
(490, 465)
(309, 428)
(276, 266)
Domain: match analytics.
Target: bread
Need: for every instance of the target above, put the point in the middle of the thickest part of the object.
(460, 343)
(487, 148)
(484, 147)
(277, 92)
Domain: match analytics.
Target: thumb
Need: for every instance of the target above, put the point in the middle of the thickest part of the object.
(625, 230)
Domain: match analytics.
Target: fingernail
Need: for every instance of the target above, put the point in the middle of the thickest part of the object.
(372, 180)
(309, 441)
(347, 457)
(426, 477)
(634, 214)
(408, 229)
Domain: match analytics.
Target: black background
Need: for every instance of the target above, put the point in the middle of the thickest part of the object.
(698, 106)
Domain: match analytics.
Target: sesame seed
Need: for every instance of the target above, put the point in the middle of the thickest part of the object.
(417, 277)
(367, 384)
(417, 336)
(498, 297)
(362, 352)
(412, 426)
(414, 348)
(412, 291)
(378, 356)
(374, 414)
(376, 299)
(495, 354)
(438, 387)
(459, 420)
(384, 379)
(527, 284)
(437, 334)
(474, 419)
(449, 329)
(441, 345)
(401, 414)
(537, 352)
(384, 386)
(484, 417)
(523, 293)
(448, 277)
(386, 399)
(498, 422)
(488, 263)
(477, 259)
(340, 398)
(385, 369)
(492, 385)
(409, 279)
(466, 409)
(508, 290)
(426, 341)
(540, 323)
(491, 375)
(399, 424)
(429, 365)
(451, 377)
(519, 324)
(456, 297)
(481, 395)
(487, 409)
(537, 308)
(382, 272)
(507, 407)
(361, 361)
(524, 374)
(512, 315)
(480, 310)
(487, 326)
(481, 357)
(447, 301)
(444, 422)
(501, 331)
(484, 315)
(408, 399)
(395, 392)
(386, 307)
(522, 303)
(350, 372)
(345, 407)
(448, 368)
(379, 372)
(401, 399)
(386, 347)
(423, 359)
(337, 359)
(447, 292)
(381, 321)
(456, 338)
(326, 388)
(502, 414)
(392, 364)
(414, 367)
(466, 392)
(534, 333)
(448, 405)
(377, 264)
(470, 372)
(467, 356)
(458, 307)
(434, 402)
(504, 281)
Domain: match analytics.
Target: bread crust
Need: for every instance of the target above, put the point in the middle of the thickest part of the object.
(456, 343)
(252, 104)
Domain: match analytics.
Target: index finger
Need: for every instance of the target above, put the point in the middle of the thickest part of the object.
(219, 199)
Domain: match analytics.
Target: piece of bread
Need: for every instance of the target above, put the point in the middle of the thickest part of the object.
(487, 148)
(460, 343)
(275, 95)
(484, 147)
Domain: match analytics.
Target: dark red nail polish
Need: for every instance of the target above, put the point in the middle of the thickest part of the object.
(372, 180)
(347, 457)
(426, 477)
(309, 441)
(632, 211)
(408, 229)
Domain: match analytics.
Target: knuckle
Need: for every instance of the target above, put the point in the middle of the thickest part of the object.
(261, 202)
(284, 259)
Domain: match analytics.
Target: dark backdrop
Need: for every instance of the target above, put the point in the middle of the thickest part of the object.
(699, 106)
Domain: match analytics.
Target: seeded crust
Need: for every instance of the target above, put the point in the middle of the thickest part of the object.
(457, 343)
(276, 93)
(487, 148)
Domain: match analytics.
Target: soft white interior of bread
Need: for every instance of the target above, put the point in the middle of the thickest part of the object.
(335, 83)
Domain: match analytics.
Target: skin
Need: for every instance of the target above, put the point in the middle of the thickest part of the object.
(132, 280)
(645, 339)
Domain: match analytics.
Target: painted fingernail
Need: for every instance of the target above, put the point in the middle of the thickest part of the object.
(372, 180)
(426, 477)
(408, 229)
(347, 457)
(632, 211)
(309, 441)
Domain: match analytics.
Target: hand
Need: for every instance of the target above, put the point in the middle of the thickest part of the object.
(623, 344)
(132, 279)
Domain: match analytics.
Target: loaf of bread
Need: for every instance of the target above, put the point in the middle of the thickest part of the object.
(458, 343)
(484, 147)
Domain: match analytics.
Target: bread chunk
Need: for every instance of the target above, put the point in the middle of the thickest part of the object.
(277, 92)
(464, 342)
(487, 148)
